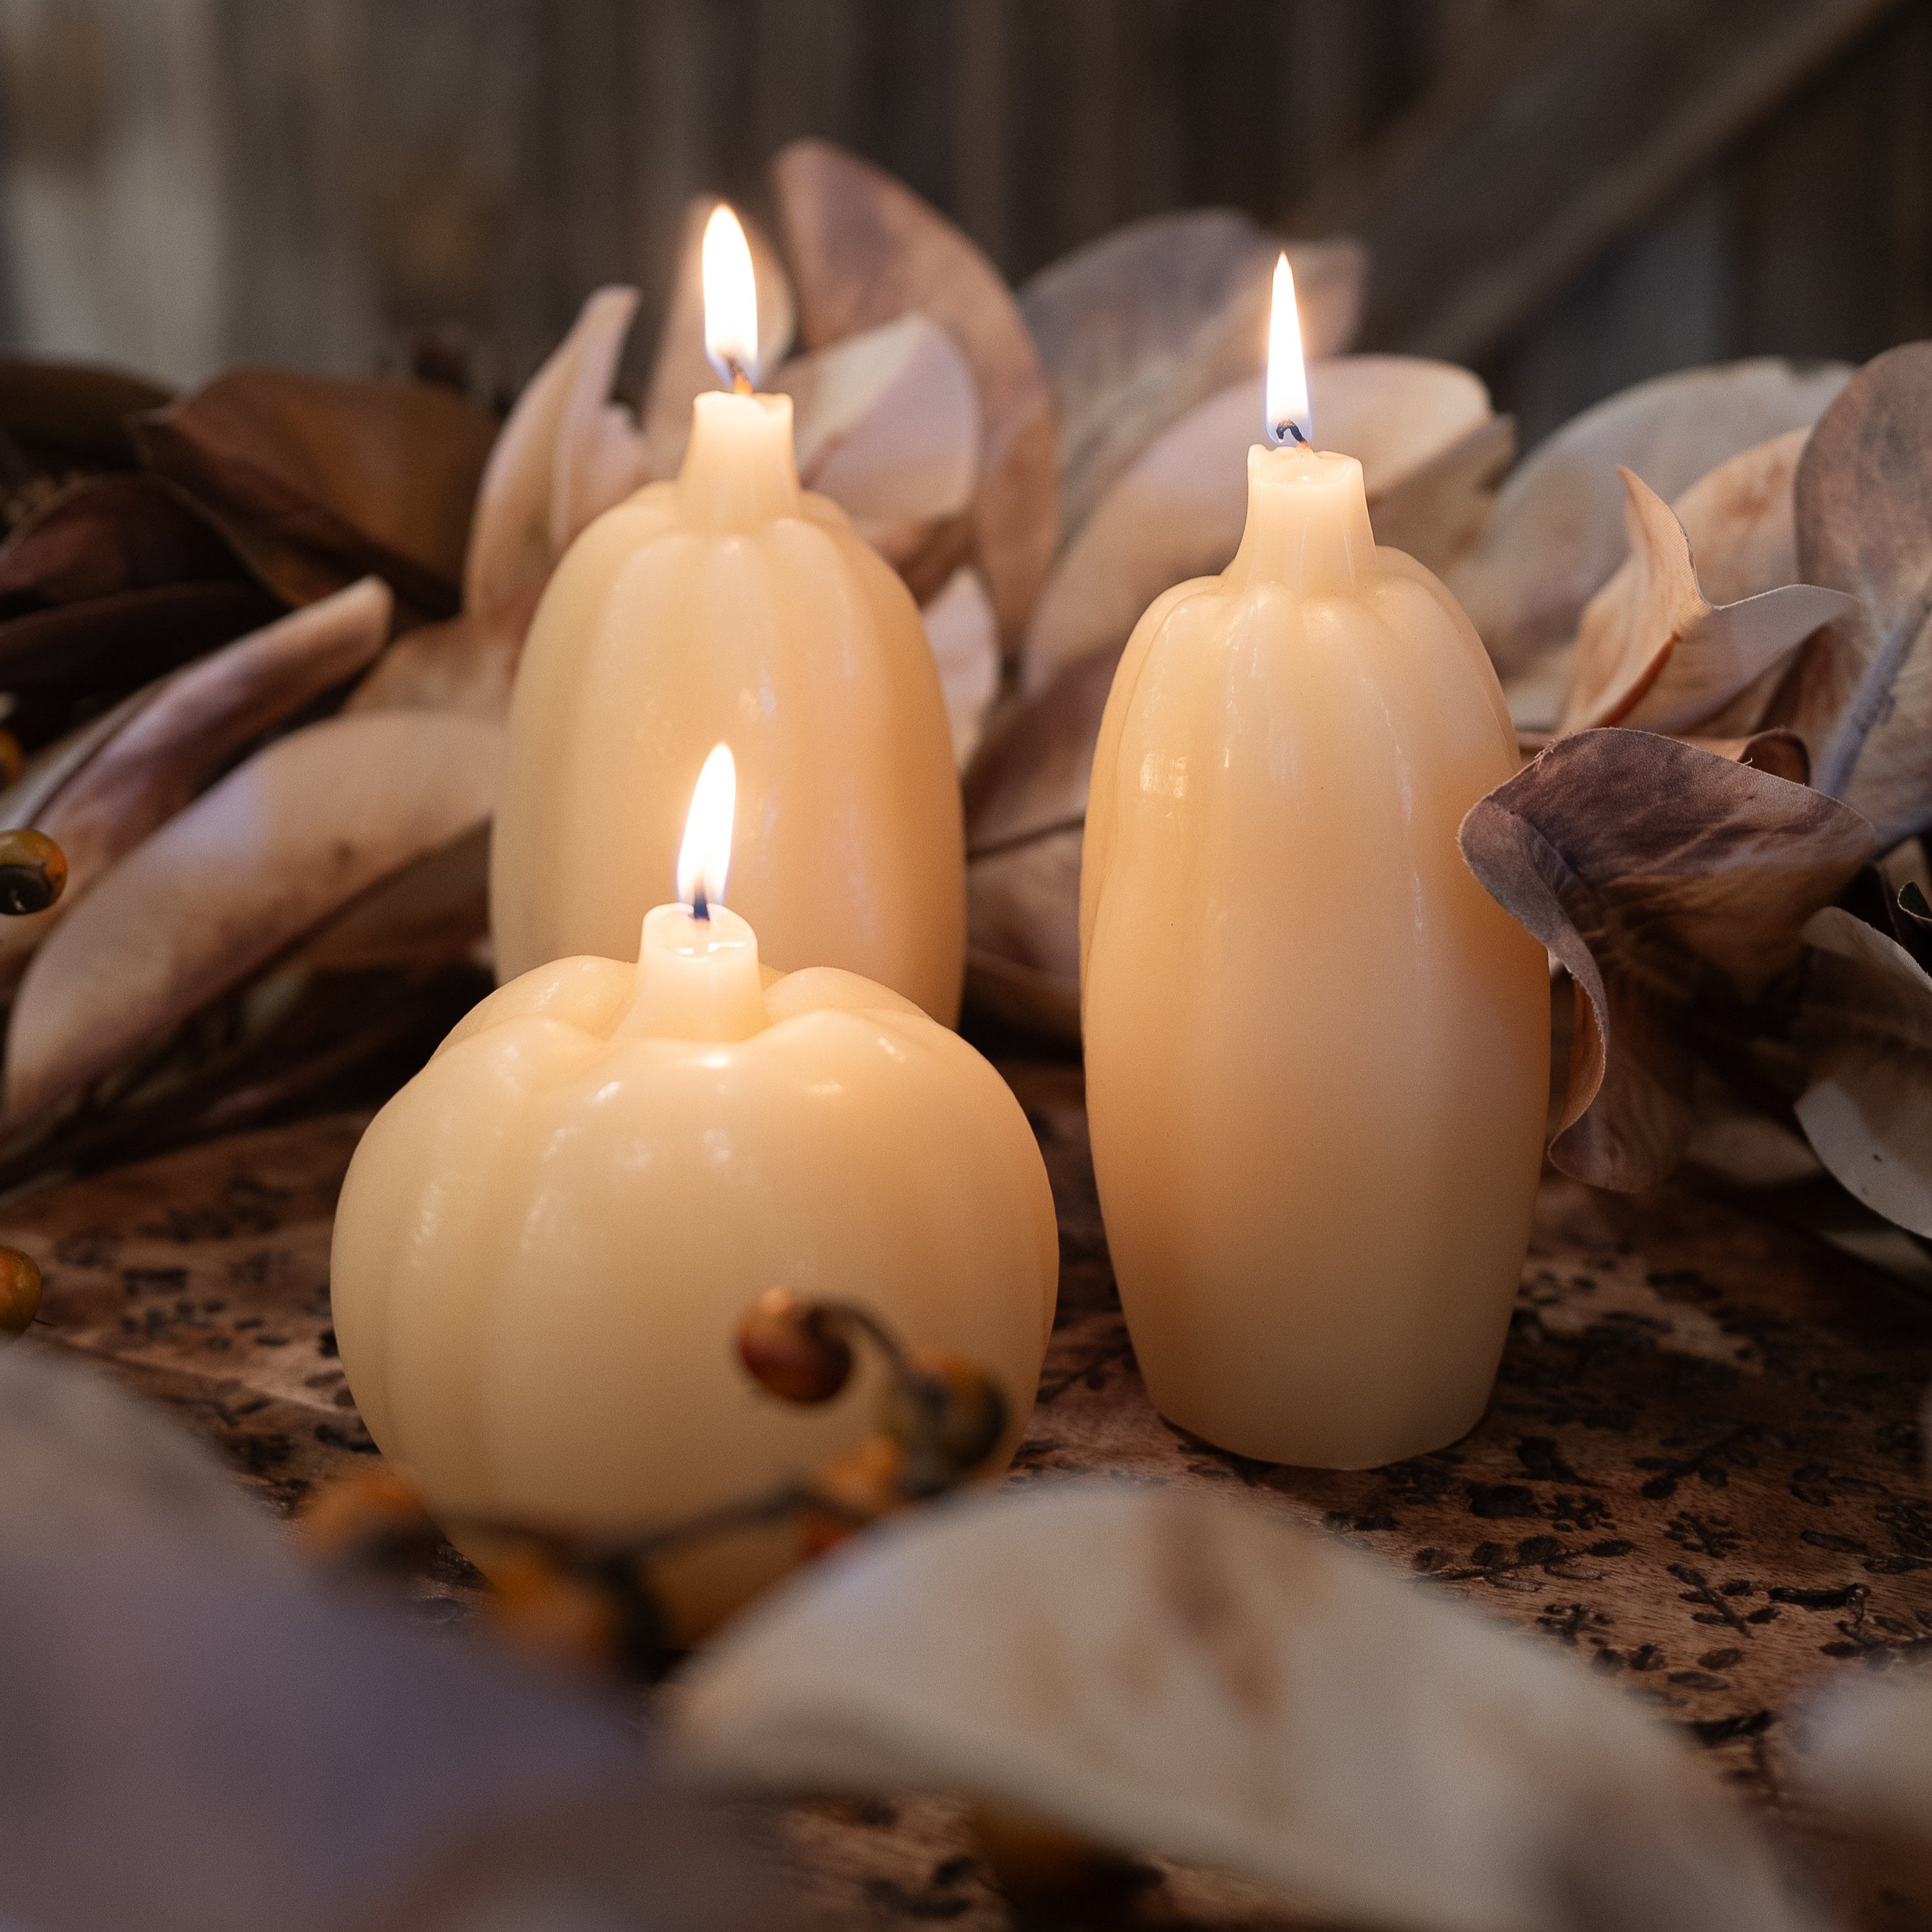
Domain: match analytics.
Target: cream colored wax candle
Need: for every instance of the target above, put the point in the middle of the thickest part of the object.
(1317, 1052)
(731, 603)
(546, 1240)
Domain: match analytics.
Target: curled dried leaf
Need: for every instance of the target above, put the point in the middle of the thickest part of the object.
(1558, 529)
(1862, 691)
(1179, 512)
(1439, 508)
(1161, 1671)
(466, 664)
(74, 415)
(1864, 1027)
(1136, 329)
(1654, 652)
(319, 480)
(1673, 884)
(102, 535)
(551, 468)
(1026, 805)
(251, 867)
(964, 635)
(865, 250)
(181, 731)
(680, 369)
(886, 423)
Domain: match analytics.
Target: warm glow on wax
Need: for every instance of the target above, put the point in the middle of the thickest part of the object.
(1289, 417)
(731, 300)
(705, 857)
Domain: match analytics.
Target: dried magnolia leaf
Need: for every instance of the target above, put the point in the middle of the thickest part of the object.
(1026, 804)
(242, 874)
(680, 369)
(1673, 883)
(109, 643)
(865, 250)
(1861, 692)
(104, 535)
(965, 636)
(1778, 751)
(320, 479)
(181, 732)
(74, 415)
(1136, 329)
(1653, 651)
(466, 664)
(886, 423)
(1741, 519)
(1178, 513)
(1439, 509)
(1865, 1025)
(1163, 1671)
(1558, 530)
(534, 497)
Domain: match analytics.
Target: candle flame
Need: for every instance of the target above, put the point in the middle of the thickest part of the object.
(1289, 417)
(705, 856)
(730, 301)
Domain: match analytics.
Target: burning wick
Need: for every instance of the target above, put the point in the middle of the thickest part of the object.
(705, 856)
(1287, 417)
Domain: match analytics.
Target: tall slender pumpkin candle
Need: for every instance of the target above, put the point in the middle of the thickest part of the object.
(546, 1240)
(732, 603)
(1317, 1052)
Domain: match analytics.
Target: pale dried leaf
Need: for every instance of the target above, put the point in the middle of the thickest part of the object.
(184, 730)
(1778, 751)
(865, 250)
(1163, 1671)
(524, 504)
(1867, 1752)
(1137, 327)
(1437, 512)
(466, 664)
(886, 423)
(1865, 1025)
(1653, 651)
(1666, 879)
(964, 635)
(1862, 691)
(1178, 512)
(1558, 530)
(248, 869)
(680, 369)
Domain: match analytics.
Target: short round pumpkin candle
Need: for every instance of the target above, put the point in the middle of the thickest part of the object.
(546, 1239)
(1317, 1050)
(731, 603)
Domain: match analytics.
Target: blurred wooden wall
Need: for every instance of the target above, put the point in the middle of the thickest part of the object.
(1569, 194)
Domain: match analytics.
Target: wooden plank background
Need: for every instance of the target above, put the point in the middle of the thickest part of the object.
(1570, 194)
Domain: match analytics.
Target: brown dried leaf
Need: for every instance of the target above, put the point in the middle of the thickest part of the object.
(1178, 512)
(1865, 1026)
(965, 636)
(865, 250)
(321, 479)
(680, 369)
(73, 415)
(1779, 752)
(1653, 651)
(1161, 1671)
(466, 664)
(181, 732)
(1558, 531)
(886, 423)
(105, 535)
(553, 461)
(1861, 693)
(244, 873)
(1026, 803)
(1137, 327)
(109, 643)
(1673, 884)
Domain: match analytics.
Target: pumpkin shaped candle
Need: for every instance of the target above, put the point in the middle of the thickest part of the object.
(731, 603)
(546, 1240)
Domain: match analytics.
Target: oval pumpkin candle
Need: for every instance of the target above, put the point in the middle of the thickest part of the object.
(546, 1240)
(1317, 1050)
(731, 603)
